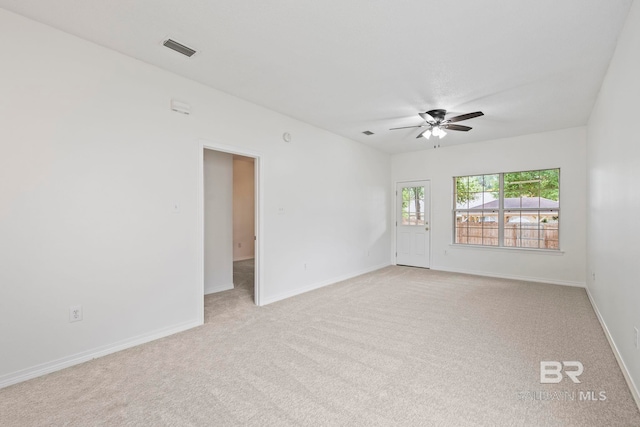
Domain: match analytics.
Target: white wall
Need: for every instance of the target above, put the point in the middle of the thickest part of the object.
(218, 221)
(92, 164)
(614, 199)
(564, 149)
(243, 208)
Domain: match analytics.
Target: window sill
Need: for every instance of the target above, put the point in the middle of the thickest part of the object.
(552, 252)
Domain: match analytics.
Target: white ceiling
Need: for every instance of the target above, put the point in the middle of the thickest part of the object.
(354, 65)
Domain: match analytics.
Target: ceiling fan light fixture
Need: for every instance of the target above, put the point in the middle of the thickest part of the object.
(426, 134)
(442, 134)
(436, 131)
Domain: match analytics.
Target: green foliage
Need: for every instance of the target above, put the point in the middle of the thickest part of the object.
(469, 188)
(412, 195)
(542, 183)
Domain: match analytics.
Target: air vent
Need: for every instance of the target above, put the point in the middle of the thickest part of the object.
(368, 132)
(180, 48)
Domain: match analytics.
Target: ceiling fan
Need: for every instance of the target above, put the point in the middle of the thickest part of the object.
(436, 123)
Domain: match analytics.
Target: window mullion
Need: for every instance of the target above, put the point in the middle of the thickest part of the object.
(501, 210)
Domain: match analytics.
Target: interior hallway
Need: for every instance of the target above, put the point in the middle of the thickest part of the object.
(229, 303)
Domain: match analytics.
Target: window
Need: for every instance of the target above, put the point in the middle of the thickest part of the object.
(413, 206)
(515, 209)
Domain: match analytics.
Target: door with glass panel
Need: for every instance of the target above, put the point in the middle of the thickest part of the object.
(412, 223)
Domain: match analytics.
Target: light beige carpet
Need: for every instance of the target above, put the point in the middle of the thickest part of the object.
(400, 346)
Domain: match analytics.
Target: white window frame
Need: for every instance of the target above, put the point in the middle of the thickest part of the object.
(501, 213)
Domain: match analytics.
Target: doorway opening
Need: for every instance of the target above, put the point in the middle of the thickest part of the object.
(244, 225)
(230, 223)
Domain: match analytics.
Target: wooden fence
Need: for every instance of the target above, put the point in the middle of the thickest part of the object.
(525, 235)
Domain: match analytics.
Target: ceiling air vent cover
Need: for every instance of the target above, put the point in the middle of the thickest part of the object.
(178, 47)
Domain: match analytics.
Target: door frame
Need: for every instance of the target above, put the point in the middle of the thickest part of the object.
(397, 218)
(259, 214)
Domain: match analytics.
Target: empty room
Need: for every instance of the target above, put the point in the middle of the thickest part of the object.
(319, 213)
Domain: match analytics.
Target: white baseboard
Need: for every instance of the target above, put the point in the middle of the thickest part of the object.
(76, 359)
(512, 277)
(243, 258)
(284, 295)
(218, 288)
(625, 372)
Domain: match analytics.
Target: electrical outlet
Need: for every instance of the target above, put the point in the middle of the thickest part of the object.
(637, 338)
(75, 313)
(239, 244)
(305, 266)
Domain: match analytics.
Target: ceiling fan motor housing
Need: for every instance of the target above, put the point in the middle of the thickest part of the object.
(437, 114)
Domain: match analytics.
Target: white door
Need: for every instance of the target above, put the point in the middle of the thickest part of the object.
(412, 223)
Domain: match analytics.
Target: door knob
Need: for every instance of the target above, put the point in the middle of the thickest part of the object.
(426, 228)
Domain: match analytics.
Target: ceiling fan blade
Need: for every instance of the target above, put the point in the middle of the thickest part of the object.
(407, 127)
(458, 127)
(465, 117)
(427, 117)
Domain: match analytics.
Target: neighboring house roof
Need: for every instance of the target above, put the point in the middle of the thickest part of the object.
(517, 202)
